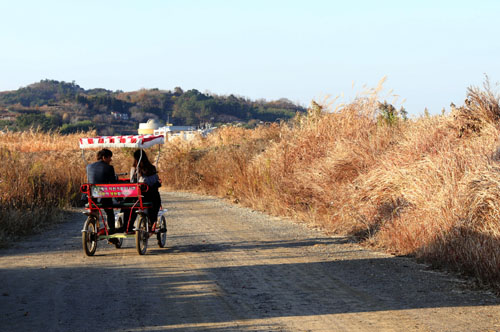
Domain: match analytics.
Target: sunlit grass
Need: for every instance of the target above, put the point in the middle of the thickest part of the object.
(40, 174)
(426, 187)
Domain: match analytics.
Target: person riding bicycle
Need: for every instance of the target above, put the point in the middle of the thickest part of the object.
(101, 172)
(145, 172)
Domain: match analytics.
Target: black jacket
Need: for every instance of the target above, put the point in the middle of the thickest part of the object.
(100, 172)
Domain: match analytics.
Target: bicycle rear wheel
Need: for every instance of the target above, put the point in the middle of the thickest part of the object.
(141, 235)
(162, 235)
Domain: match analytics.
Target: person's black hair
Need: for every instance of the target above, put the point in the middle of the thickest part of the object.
(145, 166)
(104, 153)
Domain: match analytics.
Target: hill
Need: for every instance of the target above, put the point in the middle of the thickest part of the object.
(67, 108)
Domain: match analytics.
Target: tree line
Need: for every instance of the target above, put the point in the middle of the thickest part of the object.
(61, 105)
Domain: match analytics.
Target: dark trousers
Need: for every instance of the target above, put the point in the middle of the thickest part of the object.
(130, 214)
(107, 204)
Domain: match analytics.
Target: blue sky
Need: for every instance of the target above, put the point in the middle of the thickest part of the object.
(430, 51)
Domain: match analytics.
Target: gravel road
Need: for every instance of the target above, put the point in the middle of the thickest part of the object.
(227, 268)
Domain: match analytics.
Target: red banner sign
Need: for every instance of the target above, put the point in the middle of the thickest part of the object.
(105, 191)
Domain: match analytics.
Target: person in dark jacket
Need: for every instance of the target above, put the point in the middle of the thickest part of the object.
(101, 172)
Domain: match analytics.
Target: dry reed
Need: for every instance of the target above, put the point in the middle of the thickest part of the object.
(40, 175)
(426, 187)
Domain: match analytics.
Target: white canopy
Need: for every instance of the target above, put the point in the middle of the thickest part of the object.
(132, 141)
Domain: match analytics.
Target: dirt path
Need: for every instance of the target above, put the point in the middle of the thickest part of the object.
(227, 268)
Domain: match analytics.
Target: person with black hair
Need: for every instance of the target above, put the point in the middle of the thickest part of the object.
(101, 172)
(144, 171)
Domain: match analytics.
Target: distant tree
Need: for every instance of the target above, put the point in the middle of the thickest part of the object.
(188, 107)
(178, 91)
(137, 114)
(101, 119)
(76, 127)
(70, 104)
(40, 121)
(44, 92)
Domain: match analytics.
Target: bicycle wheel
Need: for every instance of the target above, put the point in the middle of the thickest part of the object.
(141, 235)
(89, 236)
(162, 235)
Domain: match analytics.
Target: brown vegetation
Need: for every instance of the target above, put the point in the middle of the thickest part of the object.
(37, 179)
(427, 187)
(40, 174)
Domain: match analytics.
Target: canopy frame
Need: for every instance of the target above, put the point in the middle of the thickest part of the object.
(132, 141)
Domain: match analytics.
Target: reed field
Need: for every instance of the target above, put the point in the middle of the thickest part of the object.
(428, 187)
(425, 187)
(40, 176)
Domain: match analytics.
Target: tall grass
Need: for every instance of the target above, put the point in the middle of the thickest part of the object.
(426, 187)
(40, 175)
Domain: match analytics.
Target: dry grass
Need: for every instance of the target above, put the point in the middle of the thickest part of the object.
(196, 165)
(40, 175)
(38, 141)
(427, 187)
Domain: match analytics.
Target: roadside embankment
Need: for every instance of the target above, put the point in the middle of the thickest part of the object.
(426, 187)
